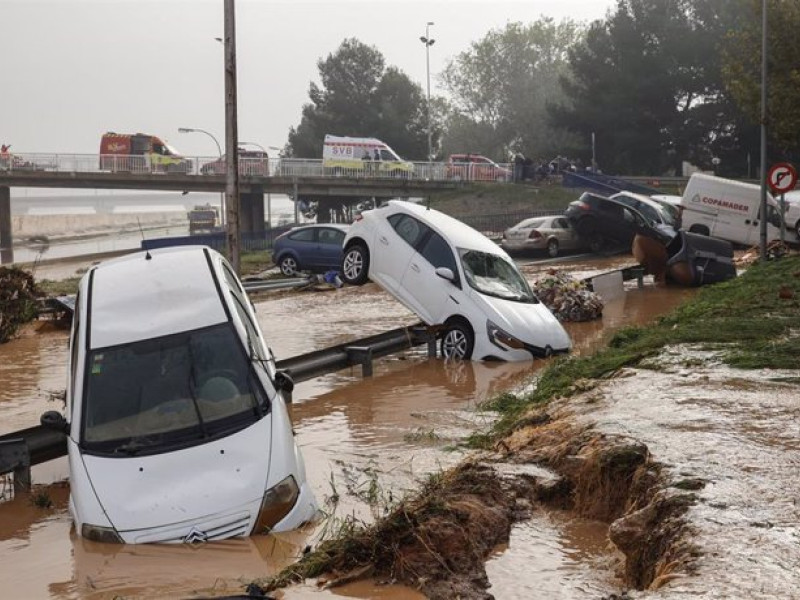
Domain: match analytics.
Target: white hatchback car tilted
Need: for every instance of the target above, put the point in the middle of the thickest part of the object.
(454, 277)
(177, 431)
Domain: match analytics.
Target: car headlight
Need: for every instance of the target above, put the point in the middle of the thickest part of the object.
(106, 535)
(277, 503)
(501, 338)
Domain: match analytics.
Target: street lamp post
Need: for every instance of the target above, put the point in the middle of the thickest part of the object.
(426, 39)
(219, 153)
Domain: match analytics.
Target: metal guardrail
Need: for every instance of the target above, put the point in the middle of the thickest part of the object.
(210, 166)
(34, 445)
(22, 449)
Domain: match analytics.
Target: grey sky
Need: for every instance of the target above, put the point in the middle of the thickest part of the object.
(72, 70)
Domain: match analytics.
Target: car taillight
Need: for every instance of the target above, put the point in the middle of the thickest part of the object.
(534, 235)
(584, 206)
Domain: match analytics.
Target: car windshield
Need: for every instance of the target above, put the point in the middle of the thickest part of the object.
(174, 391)
(670, 212)
(493, 275)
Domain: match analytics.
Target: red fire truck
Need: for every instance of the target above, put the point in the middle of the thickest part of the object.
(140, 153)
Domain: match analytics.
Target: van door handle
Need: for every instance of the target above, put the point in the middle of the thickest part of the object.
(383, 240)
(415, 267)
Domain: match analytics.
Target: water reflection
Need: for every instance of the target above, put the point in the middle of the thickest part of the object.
(158, 571)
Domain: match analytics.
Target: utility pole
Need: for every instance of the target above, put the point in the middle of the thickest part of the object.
(763, 130)
(231, 141)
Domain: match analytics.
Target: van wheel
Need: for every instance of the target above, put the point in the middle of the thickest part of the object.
(699, 230)
(289, 266)
(458, 341)
(355, 265)
(552, 248)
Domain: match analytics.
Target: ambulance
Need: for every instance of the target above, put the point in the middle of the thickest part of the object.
(140, 153)
(355, 156)
(730, 210)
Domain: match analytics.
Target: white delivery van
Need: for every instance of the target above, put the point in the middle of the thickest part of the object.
(177, 429)
(729, 210)
(362, 156)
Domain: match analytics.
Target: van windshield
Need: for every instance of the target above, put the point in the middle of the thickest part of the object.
(175, 391)
(493, 275)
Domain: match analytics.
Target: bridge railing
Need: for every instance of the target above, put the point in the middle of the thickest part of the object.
(251, 167)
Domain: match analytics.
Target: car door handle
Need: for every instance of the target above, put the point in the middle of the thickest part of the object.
(415, 267)
(384, 240)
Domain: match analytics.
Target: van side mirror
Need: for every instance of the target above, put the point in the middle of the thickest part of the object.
(445, 273)
(54, 420)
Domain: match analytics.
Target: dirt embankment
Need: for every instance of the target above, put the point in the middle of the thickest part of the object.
(439, 541)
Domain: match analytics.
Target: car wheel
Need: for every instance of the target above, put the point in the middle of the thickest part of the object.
(355, 265)
(457, 341)
(596, 242)
(552, 248)
(289, 266)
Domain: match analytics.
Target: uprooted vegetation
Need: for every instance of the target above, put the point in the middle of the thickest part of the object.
(438, 540)
(18, 300)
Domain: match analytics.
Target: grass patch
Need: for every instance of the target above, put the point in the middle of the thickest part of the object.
(744, 318)
(492, 198)
(255, 262)
(61, 287)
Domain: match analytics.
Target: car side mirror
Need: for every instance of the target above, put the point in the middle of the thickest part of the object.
(54, 420)
(445, 273)
(284, 382)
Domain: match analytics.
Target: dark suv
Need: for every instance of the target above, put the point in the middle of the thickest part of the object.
(602, 222)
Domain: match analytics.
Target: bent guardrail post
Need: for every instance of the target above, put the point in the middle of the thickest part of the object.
(15, 459)
(363, 355)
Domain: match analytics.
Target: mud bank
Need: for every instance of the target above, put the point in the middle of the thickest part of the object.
(438, 541)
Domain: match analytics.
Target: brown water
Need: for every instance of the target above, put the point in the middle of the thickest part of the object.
(366, 442)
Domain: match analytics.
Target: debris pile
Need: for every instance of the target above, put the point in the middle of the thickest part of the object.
(18, 300)
(567, 298)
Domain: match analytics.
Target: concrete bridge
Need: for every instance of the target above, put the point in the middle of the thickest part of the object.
(301, 179)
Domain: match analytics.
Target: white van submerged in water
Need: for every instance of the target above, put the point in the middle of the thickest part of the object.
(729, 210)
(178, 430)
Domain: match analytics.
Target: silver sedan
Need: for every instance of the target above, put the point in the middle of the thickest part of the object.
(553, 234)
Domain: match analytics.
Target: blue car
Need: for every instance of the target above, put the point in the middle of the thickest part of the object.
(315, 248)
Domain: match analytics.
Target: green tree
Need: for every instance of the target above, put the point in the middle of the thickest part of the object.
(647, 81)
(741, 59)
(359, 96)
(500, 88)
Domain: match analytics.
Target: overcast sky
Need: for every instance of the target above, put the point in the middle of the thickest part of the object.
(71, 70)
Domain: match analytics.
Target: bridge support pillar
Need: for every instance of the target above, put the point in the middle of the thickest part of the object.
(251, 212)
(6, 241)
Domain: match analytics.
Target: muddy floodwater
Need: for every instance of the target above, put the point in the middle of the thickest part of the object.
(365, 442)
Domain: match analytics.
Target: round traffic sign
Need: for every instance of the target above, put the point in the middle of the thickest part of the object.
(781, 177)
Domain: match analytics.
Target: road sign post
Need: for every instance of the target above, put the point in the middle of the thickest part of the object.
(781, 178)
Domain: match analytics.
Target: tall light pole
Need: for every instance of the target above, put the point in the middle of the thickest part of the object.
(219, 153)
(426, 39)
